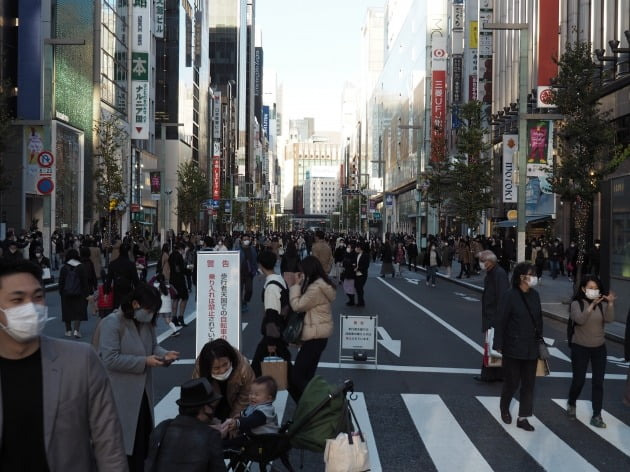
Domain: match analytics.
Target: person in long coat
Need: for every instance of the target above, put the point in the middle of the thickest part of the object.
(495, 284)
(122, 275)
(73, 306)
(387, 266)
(128, 347)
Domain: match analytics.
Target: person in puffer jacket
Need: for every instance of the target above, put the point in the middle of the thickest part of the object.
(313, 294)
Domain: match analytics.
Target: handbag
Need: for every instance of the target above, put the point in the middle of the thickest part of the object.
(491, 358)
(276, 368)
(105, 301)
(292, 333)
(347, 452)
(542, 368)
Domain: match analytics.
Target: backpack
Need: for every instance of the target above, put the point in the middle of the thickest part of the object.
(277, 326)
(72, 283)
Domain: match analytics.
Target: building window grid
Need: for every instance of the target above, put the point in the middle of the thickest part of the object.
(113, 58)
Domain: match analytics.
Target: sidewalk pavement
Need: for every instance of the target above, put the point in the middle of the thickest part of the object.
(555, 296)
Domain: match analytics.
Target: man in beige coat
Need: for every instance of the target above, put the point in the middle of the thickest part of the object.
(321, 250)
(57, 411)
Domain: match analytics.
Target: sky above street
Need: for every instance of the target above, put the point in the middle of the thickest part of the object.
(314, 46)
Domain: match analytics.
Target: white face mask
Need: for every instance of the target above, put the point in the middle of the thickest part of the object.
(224, 376)
(142, 315)
(25, 322)
(482, 265)
(247, 242)
(349, 250)
(532, 281)
(592, 293)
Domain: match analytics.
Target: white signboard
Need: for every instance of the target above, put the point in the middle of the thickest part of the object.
(218, 299)
(358, 332)
(141, 26)
(510, 147)
(158, 8)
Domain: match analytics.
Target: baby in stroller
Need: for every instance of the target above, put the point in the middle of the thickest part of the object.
(258, 418)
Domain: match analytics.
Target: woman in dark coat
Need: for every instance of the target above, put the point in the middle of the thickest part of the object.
(74, 296)
(289, 265)
(387, 258)
(348, 275)
(517, 335)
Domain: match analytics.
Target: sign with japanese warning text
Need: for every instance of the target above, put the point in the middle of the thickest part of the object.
(218, 300)
(358, 332)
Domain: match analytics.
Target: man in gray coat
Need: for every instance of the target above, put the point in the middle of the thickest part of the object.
(495, 285)
(57, 412)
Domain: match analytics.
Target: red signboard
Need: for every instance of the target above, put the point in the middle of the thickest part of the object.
(548, 20)
(438, 106)
(216, 178)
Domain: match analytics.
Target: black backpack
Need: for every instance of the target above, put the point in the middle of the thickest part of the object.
(279, 321)
(72, 282)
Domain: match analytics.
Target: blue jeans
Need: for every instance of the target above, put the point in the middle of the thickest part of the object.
(431, 274)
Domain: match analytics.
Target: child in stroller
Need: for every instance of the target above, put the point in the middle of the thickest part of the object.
(322, 412)
(258, 418)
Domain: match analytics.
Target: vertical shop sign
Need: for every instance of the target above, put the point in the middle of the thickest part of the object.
(155, 180)
(510, 147)
(216, 116)
(218, 301)
(216, 171)
(159, 18)
(140, 66)
(438, 35)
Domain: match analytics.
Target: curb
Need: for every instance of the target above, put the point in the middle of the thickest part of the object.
(548, 314)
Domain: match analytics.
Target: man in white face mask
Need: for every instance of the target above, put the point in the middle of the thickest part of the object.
(58, 388)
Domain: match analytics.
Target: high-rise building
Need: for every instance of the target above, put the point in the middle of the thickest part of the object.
(321, 190)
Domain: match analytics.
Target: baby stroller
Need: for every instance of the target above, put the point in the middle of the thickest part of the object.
(322, 412)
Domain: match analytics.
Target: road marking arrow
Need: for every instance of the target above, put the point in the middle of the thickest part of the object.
(554, 351)
(618, 361)
(392, 345)
(412, 281)
(243, 326)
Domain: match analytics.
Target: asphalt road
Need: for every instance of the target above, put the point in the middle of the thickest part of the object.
(419, 407)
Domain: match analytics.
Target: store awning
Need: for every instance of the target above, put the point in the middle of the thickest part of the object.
(529, 219)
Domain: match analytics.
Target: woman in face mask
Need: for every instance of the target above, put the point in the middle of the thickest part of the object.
(230, 375)
(518, 332)
(590, 311)
(127, 344)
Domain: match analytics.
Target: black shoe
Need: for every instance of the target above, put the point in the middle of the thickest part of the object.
(524, 424)
(181, 322)
(458, 277)
(360, 304)
(176, 322)
(479, 378)
(506, 417)
(349, 303)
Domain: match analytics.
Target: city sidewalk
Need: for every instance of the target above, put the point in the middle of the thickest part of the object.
(555, 295)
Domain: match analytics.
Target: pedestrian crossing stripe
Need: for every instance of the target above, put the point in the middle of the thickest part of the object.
(439, 430)
(616, 432)
(543, 445)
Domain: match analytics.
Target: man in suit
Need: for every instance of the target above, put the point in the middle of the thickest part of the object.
(495, 285)
(361, 271)
(58, 388)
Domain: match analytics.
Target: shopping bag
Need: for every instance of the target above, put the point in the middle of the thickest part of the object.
(542, 368)
(275, 367)
(105, 301)
(491, 358)
(348, 452)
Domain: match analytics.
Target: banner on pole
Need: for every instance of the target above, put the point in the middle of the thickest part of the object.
(218, 300)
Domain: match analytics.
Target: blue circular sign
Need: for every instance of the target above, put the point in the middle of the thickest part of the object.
(45, 186)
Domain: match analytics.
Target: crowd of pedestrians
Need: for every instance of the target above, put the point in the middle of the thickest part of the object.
(112, 422)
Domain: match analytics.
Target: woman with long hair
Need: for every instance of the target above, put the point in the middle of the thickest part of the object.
(517, 335)
(590, 310)
(230, 375)
(313, 294)
(128, 346)
(289, 264)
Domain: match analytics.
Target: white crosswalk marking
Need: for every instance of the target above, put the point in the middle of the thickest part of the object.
(543, 445)
(616, 432)
(360, 410)
(280, 404)
(439, 431)
(166, 407)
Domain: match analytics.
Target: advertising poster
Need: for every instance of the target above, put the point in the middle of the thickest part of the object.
(218, 299)
(140, 66)
(34, 144)
(539, 150)
(156, 185)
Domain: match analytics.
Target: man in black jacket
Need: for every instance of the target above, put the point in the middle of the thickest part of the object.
(361, 272)
(187, 443)
(494, 285)
(122, 275)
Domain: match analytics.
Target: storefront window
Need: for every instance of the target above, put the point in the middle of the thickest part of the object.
(620, 237)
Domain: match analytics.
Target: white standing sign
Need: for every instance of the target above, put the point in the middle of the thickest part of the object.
(218, 300)
(358, 332)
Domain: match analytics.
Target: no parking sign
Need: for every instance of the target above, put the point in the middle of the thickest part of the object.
(45, 173)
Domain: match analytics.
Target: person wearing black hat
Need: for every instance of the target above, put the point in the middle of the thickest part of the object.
(187, 443)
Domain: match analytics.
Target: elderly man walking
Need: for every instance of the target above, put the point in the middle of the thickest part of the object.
(495, 285)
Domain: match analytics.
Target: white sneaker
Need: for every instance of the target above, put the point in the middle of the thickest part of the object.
(77, 334)
(69, 334)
